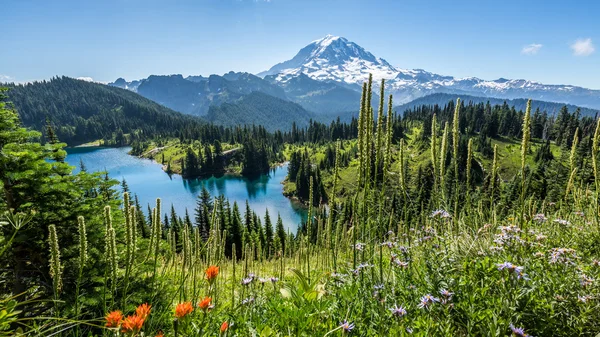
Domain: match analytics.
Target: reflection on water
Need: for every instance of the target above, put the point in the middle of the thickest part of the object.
(149, 181)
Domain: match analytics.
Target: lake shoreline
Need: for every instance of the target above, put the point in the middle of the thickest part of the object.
(146, 179)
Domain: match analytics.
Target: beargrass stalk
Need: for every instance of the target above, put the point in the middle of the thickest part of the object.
(469, 166)
(55, 264)
(369, 148)
(570, 184)
(443, 151)
(361, 135)
(309, 226)
(157, 237)
(379, 150)
(388, 140)
(134, 232)
(493, 176)
(573, 155)
(524, 148)
(82, 261)
(110, 248)
(402, 169)
(332, 199)
(368, 130)
(129, 245)
(112, 258)
(83, 257)
(455, 139)
(434, 155)
(595, 147)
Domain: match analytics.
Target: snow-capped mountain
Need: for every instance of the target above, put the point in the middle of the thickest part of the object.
(335, 59)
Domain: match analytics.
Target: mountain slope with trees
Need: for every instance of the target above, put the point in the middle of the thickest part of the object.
(82, 111)
(260, 109)
(441, 99)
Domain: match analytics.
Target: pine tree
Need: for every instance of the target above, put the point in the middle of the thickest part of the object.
(268, 234)
(234, 233)
(280, 233)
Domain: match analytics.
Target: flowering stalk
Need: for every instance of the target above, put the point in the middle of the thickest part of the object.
(595, 146)
(494, 175)
(525, 147)
(388, 139)
(574, 150)
(82, 262)
(443, 150)
(402, 169)
(55, 265)
(469, 166)
(361, 135)
(434, 154)
(379, 150)
(455, 139)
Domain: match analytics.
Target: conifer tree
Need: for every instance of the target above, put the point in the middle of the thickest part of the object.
(280, 233)
(268, 234)
(234, 232)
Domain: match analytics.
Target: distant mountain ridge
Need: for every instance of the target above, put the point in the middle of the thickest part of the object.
(520, 104)
(195, 94)
(325, 79)
(335, 59)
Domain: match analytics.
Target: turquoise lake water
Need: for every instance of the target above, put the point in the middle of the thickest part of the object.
(147, 179)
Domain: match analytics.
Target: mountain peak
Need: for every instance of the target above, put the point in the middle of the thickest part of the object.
(328, 39)
(334, 58)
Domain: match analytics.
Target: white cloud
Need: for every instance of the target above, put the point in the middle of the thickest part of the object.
(87, 79)
(583, 47)
(531, 49)
(6, 78)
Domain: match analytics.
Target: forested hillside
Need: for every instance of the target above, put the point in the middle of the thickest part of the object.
(260, 109)
(441, 99)
(82, 111)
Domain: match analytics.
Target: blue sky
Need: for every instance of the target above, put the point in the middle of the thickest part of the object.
(554, 42)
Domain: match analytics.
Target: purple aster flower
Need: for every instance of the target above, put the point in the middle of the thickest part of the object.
(346, 326)
(540, 218)
(398, 311)
(388, 244)
(409, 330)
(248, 300)
(359, 246)
(440, 213)
(446, 293)
(274, 279)
(583, 299)
(505, 265)
(427, 300)
(401, 264)
(247, 281)
(517, 331)
(378, 286)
